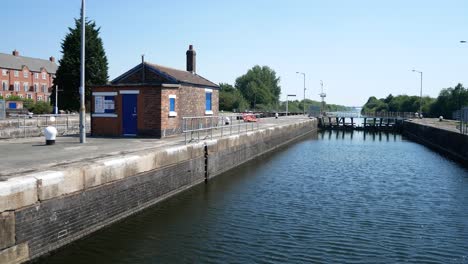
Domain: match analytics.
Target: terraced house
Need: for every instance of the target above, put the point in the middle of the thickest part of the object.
(26, 77)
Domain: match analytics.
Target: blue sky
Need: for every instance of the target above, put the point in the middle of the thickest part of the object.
(358, 48)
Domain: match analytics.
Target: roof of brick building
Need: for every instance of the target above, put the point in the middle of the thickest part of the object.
(8, 61)
(173, 75)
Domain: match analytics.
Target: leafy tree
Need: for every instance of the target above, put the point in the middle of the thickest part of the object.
(259, 86)
(68, 73)
(14, 98)
(449, 100)
(41, 108)
(230, 99)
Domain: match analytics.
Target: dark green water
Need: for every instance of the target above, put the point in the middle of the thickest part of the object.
(333, 198)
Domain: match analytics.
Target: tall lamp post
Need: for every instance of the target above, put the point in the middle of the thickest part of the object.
(420, 95)
(287, 100)
(303, 103)
(82, 78)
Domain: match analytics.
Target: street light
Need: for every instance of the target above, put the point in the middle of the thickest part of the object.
(82, 78)
(287, 97)
(303, 74)
(420, 95)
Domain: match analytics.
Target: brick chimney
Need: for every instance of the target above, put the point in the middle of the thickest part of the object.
(52, 59)
(191, 59)
(15, 53)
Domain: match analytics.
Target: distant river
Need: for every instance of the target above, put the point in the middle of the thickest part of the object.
(331, 198)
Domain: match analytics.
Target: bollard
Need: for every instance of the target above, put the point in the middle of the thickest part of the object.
(50, 133)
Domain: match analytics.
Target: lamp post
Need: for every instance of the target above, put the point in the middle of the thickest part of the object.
(82, 78)
(287, 97)
(303, 103)
(420, 95)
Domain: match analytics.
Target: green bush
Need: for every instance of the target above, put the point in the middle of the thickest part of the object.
(41, 108)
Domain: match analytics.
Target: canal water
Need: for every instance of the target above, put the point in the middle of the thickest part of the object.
(335, 197)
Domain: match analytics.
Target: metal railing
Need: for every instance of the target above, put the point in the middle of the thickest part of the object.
(2, 109)
(463, 117)
(198, 128)
(398, 115)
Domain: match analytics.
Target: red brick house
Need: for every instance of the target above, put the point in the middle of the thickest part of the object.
(150, 100)
(26, 77)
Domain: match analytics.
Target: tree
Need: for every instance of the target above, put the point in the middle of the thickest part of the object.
(68, 72)
(230, 99)
(259, 86)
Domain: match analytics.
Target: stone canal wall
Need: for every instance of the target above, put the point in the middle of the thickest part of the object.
(43, 211)
(450, 143)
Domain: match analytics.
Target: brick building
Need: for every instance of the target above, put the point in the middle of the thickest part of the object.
(150, 100)
(26, 77)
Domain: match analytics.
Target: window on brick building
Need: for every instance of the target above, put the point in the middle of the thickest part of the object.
(36, 87)
(16, 73)
(39, 98)
(44, 88)
(44, 76)
(21, 96)
(25, 74)
(29, 96)
(7, 95)
(5, 86)
(17, 86)
(172, 104)
(4, 72)
(208, 108)
(26, 87)
(36, 75)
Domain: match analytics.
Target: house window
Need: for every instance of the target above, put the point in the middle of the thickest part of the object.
(36, 87)
(16, 73)
(29, 96)
(46, 98)
(21, 96)
(25, 74)
(5, 86)
(43, 76)
(7, 95)
(44, 88)
(26, 87)
(36, 75)
(172, 111)
(17, 86)
(39, 98)
(208, 109)
(4, 72)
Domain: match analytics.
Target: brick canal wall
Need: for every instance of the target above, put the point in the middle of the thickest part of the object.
(43, 211)
(452, 144)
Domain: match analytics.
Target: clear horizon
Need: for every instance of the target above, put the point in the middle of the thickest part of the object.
(358, 49)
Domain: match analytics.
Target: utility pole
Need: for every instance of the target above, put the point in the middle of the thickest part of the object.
(304, 75)
(82, 82)
(420, 94)
(322, 95)
(56, 100)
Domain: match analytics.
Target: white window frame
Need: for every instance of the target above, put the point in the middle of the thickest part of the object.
(7, 95)
(26, 87)
(17, 86)
(44, 76)
(4, 72)
(5, 86)
(172, 113)
(21, 96)
(29, 96)
(44, 88)
(25, 74)
(16, 73)
(209, 112)
(39, 98)
(36, 87)
(36, 75)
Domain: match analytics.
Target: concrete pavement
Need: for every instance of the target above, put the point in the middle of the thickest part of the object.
(20, 156)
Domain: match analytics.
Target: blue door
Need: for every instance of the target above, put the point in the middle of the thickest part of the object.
(129, 115)
(12, 105)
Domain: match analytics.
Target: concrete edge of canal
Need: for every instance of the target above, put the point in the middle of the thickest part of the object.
(43, 211)
(452, 144)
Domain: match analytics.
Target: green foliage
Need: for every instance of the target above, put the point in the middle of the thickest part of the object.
(449, 100)
(28, 104)
(259, 86)
(68, 72)
(14, 98)
(297, 106)
(41, 108)
(231, 99)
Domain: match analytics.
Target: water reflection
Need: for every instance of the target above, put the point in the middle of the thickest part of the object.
(359, 134)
